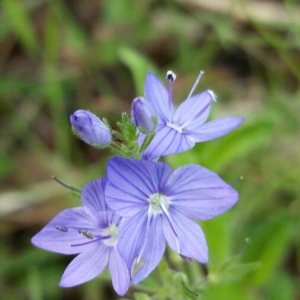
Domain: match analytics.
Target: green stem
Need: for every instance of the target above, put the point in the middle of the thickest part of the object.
(115, 148)
(118, 135)
(149, 137)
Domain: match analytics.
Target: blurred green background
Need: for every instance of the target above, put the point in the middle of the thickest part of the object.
(58, 56)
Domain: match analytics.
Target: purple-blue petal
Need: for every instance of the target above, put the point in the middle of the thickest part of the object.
(118, 271)
(52, 239)
(194, 111)
(214, 129)
(143, 115)
(185, 236)
(152, 252)
(168, 141)
(157, 95)
(86, 266)
(93, 195)
(199, 193)
(131, 236)
(90, 128)
(130, 182)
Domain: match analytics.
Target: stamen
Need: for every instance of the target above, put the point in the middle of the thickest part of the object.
(65, 185)
(61, 228)
(213, 95)
(136, 265)
(92, 240)
(139, 261)
(171, 76)
(168, 216)
(237, 181)
(82, 244)
(195, 84)
(87, 234)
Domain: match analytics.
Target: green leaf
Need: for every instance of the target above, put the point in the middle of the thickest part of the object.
(141, 296)
(232, 270)
(267, 246)
(217, 232)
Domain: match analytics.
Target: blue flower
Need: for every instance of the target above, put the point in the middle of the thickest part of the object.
(90, 128)
(179, 129)
(158, 205)
(92, 232)
(142, 115)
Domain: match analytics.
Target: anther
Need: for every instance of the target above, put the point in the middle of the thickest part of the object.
(61, 228)
(237, 181)
(171, 76)
(213, 95)
(87, 234)
(137, 265)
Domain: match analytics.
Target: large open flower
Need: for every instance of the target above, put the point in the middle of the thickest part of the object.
(179, 129)
(92, 232)
(158, 205)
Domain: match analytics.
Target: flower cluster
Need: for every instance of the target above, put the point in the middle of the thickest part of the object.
(140, 205)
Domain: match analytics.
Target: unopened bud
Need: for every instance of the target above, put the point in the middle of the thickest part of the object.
(90, 128)
(142, 115)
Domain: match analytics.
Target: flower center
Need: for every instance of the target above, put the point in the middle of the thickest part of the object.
(157, 201)
(108, 235)
(178, 128)
(111, 231)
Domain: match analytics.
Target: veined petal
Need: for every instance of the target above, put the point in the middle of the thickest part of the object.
(152, 253)
(214, 129)
(185, 236)
(90, 128)
(157, 95)
(118, 271)
(132, 232)
(72, 220)
(168, 141)
(86, 266)
(131, 182)
(199, 193)
(143, 115)
(93, 195)
(194, 110)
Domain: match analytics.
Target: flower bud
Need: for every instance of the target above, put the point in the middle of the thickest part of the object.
(90, 128)
(142, 115)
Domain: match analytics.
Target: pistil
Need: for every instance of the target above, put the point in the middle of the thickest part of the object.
(171, 78)
(195, 84)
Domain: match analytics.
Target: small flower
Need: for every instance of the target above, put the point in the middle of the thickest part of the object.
(90, 128)
(142, 115)
(179, 129)
(158, 205)
(92, 232)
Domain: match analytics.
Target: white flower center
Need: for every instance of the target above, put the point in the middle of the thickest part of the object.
(178, 128)
(111, 230)
(157, 201)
